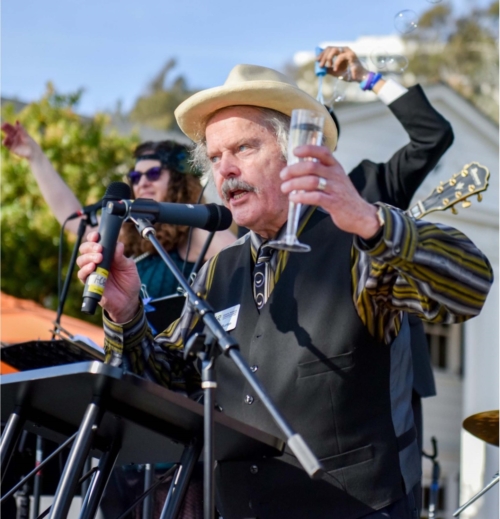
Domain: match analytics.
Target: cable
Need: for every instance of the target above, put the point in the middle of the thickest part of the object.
(59, 259)
(190, 234)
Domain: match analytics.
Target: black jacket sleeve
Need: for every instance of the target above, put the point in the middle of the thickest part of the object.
(396, 181)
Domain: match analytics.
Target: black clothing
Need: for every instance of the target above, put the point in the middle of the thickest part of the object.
(309, 344)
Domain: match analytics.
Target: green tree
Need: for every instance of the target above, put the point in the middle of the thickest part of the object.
(461, 51)
(156, 107)
(89, 157)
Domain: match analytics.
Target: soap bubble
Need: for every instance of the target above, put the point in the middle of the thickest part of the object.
(406, 21)
(397, 64)
(379, 58)
(339, 89)
(338, 92)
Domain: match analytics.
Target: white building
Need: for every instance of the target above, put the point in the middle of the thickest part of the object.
(466, 358)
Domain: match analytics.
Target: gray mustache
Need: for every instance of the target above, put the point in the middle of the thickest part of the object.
(233, 184)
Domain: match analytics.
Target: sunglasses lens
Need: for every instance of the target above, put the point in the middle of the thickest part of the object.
(153, 173)
(134, 177)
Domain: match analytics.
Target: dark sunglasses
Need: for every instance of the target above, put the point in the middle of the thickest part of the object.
(152, 174)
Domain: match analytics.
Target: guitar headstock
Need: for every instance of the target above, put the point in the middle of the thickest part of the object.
(471, 181)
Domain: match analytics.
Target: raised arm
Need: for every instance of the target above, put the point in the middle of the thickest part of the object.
(55, 191)
(396, 181)
(418, 267)
(427, 269)
(430, 134)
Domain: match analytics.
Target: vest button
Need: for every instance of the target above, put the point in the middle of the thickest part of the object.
(249, 399)
(253, 369)
(254, 469)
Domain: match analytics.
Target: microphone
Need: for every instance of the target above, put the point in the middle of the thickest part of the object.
(88, 209)
(109, 228)
(211, 217)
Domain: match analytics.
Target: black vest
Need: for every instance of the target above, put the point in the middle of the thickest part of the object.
(328, 376)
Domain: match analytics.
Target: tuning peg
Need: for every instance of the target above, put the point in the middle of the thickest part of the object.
(466, 204)
(479, 197)
(454, 210)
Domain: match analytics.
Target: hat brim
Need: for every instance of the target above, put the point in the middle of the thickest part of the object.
(192, 114)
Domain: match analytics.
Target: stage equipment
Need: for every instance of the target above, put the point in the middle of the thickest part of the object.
(485, 427)
(211, 217)
(126, 419)
(436, 471)
(109, 229)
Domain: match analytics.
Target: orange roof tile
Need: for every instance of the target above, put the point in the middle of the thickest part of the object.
(23, 320)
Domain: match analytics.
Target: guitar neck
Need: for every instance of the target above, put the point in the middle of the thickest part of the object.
(417, 211)
(472, 180)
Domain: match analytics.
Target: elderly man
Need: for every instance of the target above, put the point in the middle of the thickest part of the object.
(326, 331)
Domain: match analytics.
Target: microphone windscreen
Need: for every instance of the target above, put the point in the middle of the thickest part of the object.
(226, 218)
(117, 191)
(219, 219)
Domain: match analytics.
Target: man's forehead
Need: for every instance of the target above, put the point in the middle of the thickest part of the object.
(251, 113)
(243, 117)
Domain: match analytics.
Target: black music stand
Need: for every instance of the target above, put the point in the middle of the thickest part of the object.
(126, 419)
(42, 353)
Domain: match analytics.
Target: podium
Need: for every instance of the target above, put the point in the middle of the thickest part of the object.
(119, 418)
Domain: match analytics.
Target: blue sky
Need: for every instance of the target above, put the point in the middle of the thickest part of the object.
(112, 48)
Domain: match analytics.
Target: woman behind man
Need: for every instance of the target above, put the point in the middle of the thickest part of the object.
(162, 172)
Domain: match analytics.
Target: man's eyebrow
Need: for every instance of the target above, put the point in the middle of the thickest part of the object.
(254, 141)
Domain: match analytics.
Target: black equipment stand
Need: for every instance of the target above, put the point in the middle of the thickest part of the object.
(204, 346)
(491, 484)
(436, 472)
(87, 220)
(90, 220)
(126, 419)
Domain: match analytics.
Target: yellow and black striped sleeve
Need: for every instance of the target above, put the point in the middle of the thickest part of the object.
(428, 269)
(159, 358)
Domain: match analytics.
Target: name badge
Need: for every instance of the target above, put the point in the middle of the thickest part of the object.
(228, 318)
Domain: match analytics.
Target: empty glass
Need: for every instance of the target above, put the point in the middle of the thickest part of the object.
(306, 127)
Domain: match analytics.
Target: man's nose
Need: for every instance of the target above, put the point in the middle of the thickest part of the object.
(228, 167)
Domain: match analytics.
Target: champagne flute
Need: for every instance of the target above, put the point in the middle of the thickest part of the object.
(306, 127)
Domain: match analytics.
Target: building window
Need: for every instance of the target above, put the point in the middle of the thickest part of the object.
(445, 347)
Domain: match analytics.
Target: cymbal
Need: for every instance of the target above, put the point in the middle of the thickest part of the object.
(484, 426)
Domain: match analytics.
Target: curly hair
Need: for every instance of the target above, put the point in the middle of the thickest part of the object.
(184, 187)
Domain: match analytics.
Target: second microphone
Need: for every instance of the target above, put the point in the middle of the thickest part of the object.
(211, 217)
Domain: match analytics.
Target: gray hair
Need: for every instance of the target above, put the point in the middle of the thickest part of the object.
(277, 122)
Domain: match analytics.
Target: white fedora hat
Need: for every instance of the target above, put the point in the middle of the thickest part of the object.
(250, 85)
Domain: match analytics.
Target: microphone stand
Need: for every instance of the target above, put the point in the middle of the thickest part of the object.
(496, 479)
(90, 220)
(87, 219)
(436, 471)
(203, 346)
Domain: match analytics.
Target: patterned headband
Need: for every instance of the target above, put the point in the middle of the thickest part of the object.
(176, 159)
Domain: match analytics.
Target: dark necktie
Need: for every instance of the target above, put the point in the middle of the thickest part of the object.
(263, 276)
